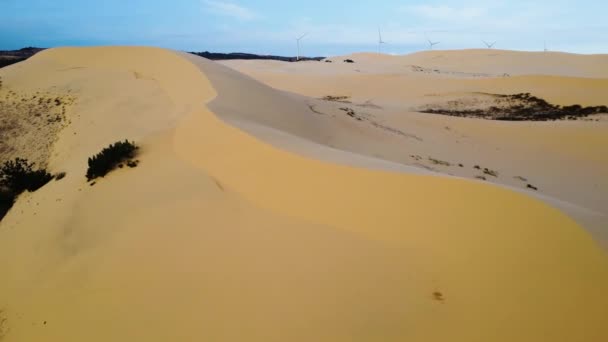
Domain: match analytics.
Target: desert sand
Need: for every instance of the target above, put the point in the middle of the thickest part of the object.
(563, 159)
(251, 218)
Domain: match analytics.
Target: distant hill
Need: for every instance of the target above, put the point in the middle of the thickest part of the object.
(9, 57)
(241, 55)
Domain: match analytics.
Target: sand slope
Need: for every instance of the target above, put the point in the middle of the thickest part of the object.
(219, 236)
(563, 159)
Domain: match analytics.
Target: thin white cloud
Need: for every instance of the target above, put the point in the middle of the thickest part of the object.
(445, 13)
(229, 9)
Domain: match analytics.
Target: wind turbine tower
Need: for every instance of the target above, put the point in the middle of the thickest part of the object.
(298, 41)
(489, 45)
(380, 41)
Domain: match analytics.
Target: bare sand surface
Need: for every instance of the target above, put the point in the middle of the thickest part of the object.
(563, 159)
(219, 235)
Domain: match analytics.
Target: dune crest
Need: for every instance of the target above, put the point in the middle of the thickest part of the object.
(220, 236)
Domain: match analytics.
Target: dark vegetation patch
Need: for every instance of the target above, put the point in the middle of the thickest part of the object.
(111, 157)
(343, 99)
(532, 187)
(439, 162)
(517, 107)
(490, 172)
(248, 56)
(9, 57)
(349, 61)
(17, 176)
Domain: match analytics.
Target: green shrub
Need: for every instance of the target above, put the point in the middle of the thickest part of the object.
(7, 199)
(110, 157)
(17, 176)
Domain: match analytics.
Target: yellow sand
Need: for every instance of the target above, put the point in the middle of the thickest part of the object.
(564, 159)
(217, 236)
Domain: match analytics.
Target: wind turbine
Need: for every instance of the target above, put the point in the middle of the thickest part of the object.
(298, 41)
(489, 45)
(380, 41)
(431, 43)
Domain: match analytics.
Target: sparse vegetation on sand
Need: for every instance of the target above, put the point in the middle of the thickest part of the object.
(343, 99)
(350, 112)
(30, 123)
(17, 176)
(111, 157)
(517, 107)
(490, 172)
(439, 162)
(532, 187)
(349, 61)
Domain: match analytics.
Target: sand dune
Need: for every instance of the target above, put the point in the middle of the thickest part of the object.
(471, 63)
(563, 159)
(218, 235)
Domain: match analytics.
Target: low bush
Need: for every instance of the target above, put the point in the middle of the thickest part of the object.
(110, 157)
(17, 176)
(6, 201)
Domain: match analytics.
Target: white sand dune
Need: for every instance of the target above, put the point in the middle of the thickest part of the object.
(220, 236)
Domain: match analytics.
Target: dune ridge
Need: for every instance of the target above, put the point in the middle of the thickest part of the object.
(563, 160)
(218, 235)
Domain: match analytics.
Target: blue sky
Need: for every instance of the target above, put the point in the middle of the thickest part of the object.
(333, 27)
